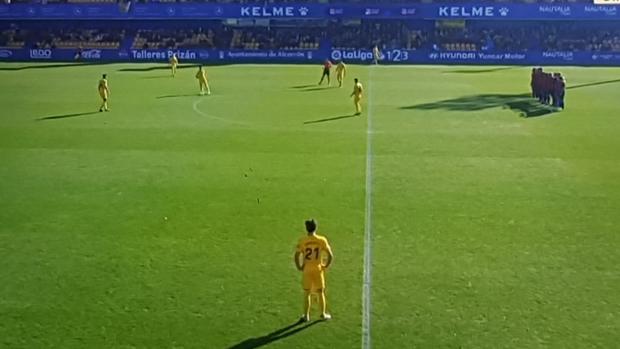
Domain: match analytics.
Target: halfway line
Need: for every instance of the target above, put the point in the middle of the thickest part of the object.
(366, 289)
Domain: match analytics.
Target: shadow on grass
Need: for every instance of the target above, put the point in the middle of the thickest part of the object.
(523, 104)
(318, 88)
(593, 84)
(177, 96)
(158, 77)
(330, 119)
(477, 71)
(64, 116)
(159, 67)
(281, 333)
(49, 66)
(302, 86)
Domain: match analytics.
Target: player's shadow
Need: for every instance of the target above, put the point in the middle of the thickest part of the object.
(329, 119)
(593, 84)
(178, 96)
(157, 77)
(302, 86)
(158, 67)
(276, 335)
(523, 104)
(318, 88)
(64, 116)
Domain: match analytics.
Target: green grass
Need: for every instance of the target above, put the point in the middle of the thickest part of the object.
(171, 221)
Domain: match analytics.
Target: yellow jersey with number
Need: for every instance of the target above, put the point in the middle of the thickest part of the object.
(313, 249)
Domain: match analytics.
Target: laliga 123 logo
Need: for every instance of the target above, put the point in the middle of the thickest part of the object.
(336, 55)
(504, 11)
(303, 11)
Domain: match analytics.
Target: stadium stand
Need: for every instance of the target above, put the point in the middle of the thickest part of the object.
(11, 38)
(175, 39)
(449, 35)
(99, 38)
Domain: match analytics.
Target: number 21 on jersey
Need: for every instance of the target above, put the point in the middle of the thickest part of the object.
(311, 253)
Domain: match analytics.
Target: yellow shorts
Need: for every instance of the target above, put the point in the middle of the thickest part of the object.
(313, 281)
(103, 94)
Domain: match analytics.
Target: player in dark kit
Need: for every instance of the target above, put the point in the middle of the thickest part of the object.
(559, 90)
(533, 82)
(547, 88)
(327, 66)
(538, 84)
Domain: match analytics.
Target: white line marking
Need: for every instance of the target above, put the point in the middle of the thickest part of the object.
(200, 112)
(366, 290)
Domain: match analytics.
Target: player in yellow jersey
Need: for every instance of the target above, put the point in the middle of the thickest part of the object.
(104, 92)
(203, 83)
(174, 61)
(358, 89)
(341, 70)
(313, 257)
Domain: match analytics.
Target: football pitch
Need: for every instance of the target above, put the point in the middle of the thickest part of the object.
(171, 221)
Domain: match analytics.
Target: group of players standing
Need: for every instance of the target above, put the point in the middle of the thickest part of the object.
(341, 70)
(201, 76)
(548, 88)
(203, 83)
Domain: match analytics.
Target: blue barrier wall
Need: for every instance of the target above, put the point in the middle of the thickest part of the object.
(497, 11)
(317, 56)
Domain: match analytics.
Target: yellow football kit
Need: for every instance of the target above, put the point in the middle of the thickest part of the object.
(357, 96)
(203, 83)
(173, 64)
(104, 93)
(313, 249)
(341, 70)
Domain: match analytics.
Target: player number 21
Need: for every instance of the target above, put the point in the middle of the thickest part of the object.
(309, 252)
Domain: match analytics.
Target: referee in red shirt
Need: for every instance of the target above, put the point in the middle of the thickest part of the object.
(327, 66)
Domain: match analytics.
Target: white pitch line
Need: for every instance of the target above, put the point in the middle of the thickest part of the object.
(366, 290)
(200, 112)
